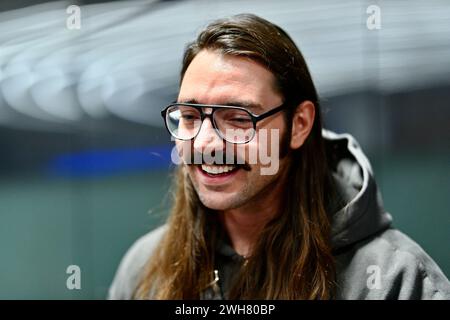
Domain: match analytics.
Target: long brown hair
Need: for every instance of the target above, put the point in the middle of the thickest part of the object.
(292, 258)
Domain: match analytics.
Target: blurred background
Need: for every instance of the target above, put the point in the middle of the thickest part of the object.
(84, 158)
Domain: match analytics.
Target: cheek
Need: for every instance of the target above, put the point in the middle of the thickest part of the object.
(183, 150)
(265, 144)
(247, 152)
(268, 142)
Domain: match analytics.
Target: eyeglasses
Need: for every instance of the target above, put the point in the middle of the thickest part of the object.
(233, 124)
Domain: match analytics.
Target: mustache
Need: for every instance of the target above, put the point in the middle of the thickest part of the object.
(216, 157)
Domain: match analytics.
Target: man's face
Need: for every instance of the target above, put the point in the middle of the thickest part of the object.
(213, 78)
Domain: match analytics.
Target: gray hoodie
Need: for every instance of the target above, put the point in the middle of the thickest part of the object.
(374, 260)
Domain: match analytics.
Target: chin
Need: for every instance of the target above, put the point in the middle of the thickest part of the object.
(216, 202)
(215, 205)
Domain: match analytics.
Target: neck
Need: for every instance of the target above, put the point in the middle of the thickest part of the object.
(244, 224)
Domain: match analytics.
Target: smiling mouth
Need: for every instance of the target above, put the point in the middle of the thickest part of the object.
(218, 170)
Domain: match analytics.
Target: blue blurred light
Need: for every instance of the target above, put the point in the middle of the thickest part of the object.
(102, 163)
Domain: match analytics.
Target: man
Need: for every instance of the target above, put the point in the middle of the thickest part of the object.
(313, 228)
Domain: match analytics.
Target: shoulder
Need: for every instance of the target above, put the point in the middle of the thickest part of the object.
(130, 268)
(390, 265)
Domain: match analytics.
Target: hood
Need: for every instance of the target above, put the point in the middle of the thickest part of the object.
(361, 213)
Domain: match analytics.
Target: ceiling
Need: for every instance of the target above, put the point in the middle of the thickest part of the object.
(124, 60)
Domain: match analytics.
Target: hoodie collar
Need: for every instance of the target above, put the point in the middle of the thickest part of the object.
(363, 213)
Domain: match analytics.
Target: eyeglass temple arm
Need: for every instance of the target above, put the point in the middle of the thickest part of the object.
(271, 112)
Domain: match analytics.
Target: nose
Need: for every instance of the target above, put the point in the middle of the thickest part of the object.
(208, 138)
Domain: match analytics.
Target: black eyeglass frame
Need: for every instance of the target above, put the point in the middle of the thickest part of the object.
(254, 117)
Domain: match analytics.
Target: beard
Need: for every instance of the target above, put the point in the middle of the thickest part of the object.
(249, 187)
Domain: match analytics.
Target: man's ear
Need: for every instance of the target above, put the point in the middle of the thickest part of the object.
(302, 123)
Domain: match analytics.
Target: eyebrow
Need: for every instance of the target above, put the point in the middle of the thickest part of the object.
(252, 106)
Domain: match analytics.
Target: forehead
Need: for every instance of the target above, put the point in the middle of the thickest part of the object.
(215, 78)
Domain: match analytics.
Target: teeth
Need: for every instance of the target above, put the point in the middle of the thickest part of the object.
(216, 169)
